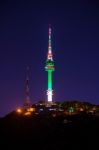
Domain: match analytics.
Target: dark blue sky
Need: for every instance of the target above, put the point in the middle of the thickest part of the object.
(24, 41)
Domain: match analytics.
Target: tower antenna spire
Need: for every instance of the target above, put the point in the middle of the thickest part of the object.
(49, 55)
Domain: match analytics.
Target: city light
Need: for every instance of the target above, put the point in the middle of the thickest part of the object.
(27, 113)
(31, 109)
(19, 110)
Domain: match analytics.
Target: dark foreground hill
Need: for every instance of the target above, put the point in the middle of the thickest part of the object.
(46, 132)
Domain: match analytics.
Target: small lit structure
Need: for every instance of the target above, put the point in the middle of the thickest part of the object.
(19, 110)
(71, 110)
(31, 109)
(27, 113)
(94, 109)
(81, 109)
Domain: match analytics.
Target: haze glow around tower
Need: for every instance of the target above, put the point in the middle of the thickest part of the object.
(49, 68)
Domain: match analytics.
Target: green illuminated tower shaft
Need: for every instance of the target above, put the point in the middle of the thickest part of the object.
(49, 68)
(50, 80)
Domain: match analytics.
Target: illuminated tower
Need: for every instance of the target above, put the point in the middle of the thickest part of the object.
(49, 68)
(27, 97)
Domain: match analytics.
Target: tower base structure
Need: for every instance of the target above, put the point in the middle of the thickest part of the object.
(49, 95)
(49, 101)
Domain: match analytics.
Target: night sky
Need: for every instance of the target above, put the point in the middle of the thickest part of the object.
(24, 41)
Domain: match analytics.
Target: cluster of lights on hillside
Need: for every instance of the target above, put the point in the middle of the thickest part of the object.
(69, 108)
(25, 112)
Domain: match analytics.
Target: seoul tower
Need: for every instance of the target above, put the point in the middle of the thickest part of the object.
(49, 68)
